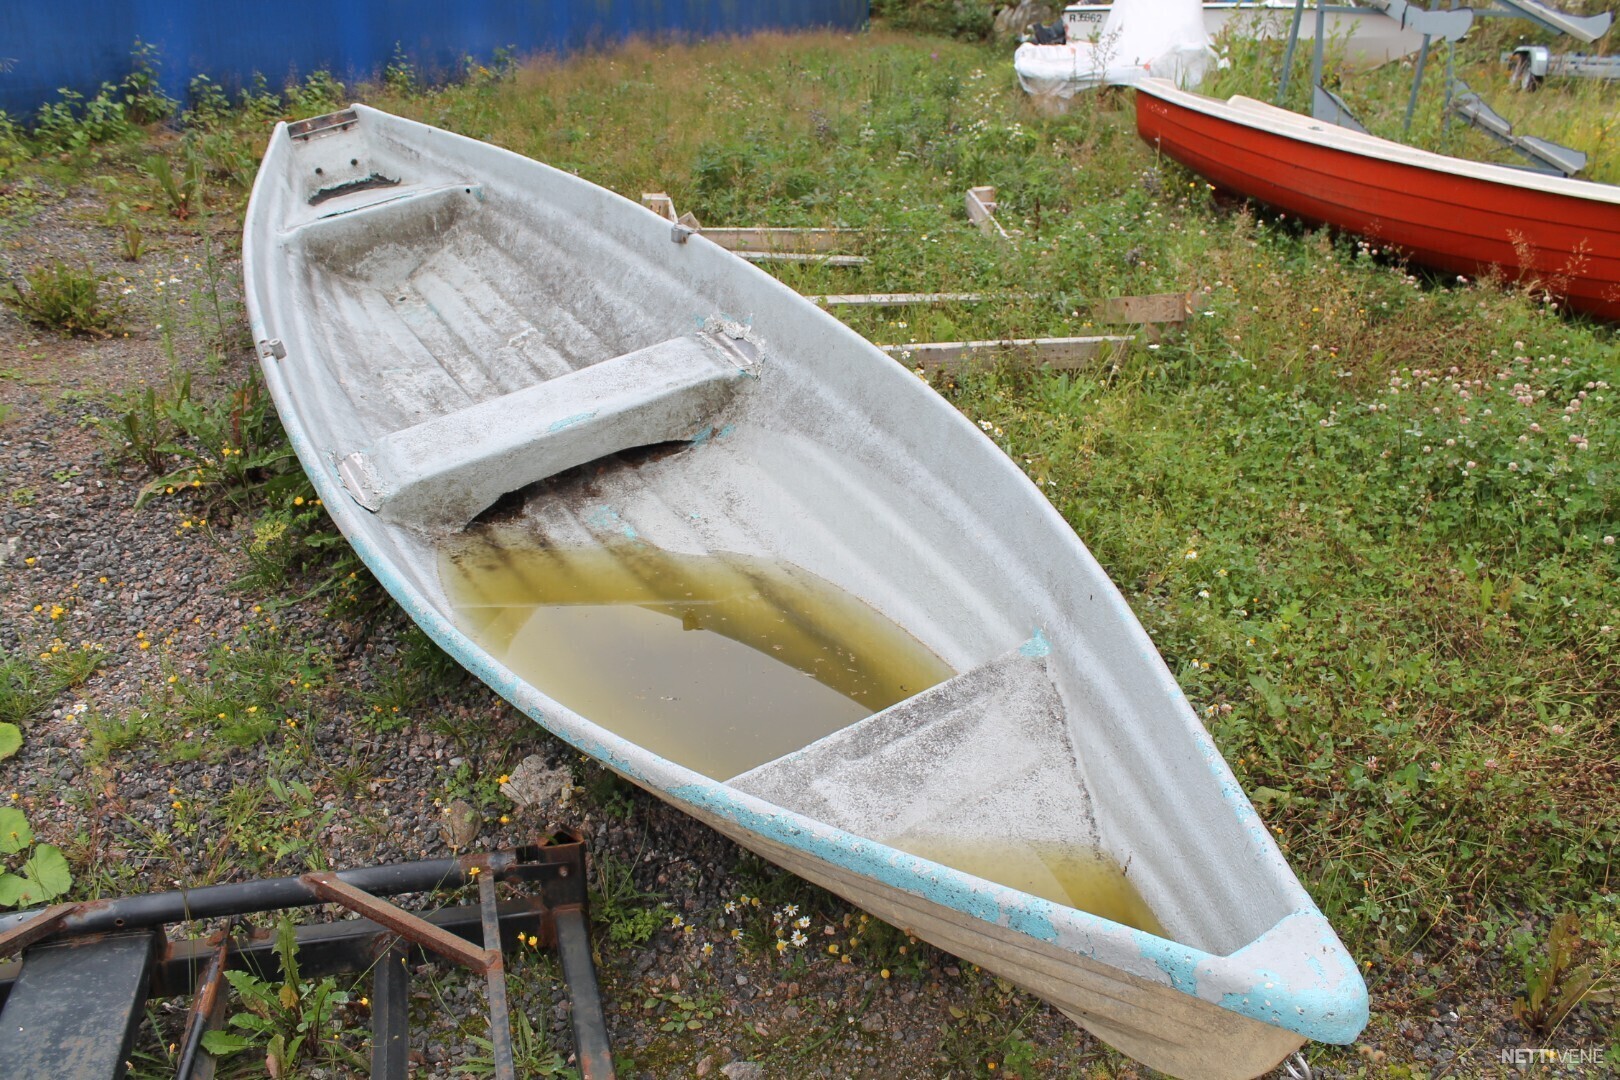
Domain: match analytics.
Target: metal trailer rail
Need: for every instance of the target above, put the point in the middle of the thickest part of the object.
(75, 999)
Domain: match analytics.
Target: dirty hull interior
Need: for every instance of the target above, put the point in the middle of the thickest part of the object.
(455, 288)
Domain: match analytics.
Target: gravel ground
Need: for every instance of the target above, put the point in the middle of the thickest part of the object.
(123, 775)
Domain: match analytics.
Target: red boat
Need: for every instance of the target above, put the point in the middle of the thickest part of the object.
(1468, 217)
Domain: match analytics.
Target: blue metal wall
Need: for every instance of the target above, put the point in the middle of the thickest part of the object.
(82, 43)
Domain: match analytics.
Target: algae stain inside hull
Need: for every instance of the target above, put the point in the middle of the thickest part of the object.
(718, 662)
(1075, 877)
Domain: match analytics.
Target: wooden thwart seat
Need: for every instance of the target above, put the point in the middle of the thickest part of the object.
(443, 471)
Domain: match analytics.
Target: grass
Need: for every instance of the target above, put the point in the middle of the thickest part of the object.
(1367, 515)
(64, 298)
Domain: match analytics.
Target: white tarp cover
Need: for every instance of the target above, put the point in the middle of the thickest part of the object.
(1165, 39)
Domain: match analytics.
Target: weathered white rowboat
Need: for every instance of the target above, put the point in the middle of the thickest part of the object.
(443, 323)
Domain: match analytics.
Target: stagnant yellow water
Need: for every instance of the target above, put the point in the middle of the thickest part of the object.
(722, 663)
(1076, 877)
(718, 662)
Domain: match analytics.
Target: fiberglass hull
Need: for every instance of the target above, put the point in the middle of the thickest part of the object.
(442, 322)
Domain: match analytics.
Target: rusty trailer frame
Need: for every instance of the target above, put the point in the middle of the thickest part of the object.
(74, 999)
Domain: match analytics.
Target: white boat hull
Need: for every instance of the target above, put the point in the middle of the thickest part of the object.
(441, 321)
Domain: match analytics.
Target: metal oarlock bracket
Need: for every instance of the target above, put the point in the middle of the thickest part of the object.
(91, 967)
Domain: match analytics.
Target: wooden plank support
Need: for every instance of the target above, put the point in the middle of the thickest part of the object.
(981, 210)
(800, 240)
(1058, 353)
(660, 204)
(898, 299)
(1147, 310)
(759, 243)
(1155, 313)
(789, 256)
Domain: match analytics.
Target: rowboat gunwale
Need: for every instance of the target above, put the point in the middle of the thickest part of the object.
(1295, 976)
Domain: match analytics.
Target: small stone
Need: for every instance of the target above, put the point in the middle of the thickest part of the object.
(461, 825)
(743, 1070)
(534, 782)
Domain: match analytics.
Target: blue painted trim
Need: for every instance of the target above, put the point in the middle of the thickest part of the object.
(570, 421)
(1037, 646)
(1326, 1009)
(1321, 996)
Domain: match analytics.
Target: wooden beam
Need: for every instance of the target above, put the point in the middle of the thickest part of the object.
(817, 241)
(1152, 309)
(1058, 353)
(1156, 313)
(1155, 309)
(896, 299)
(787, 256)
(981, 210)
(660, 204)
(762, 240)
